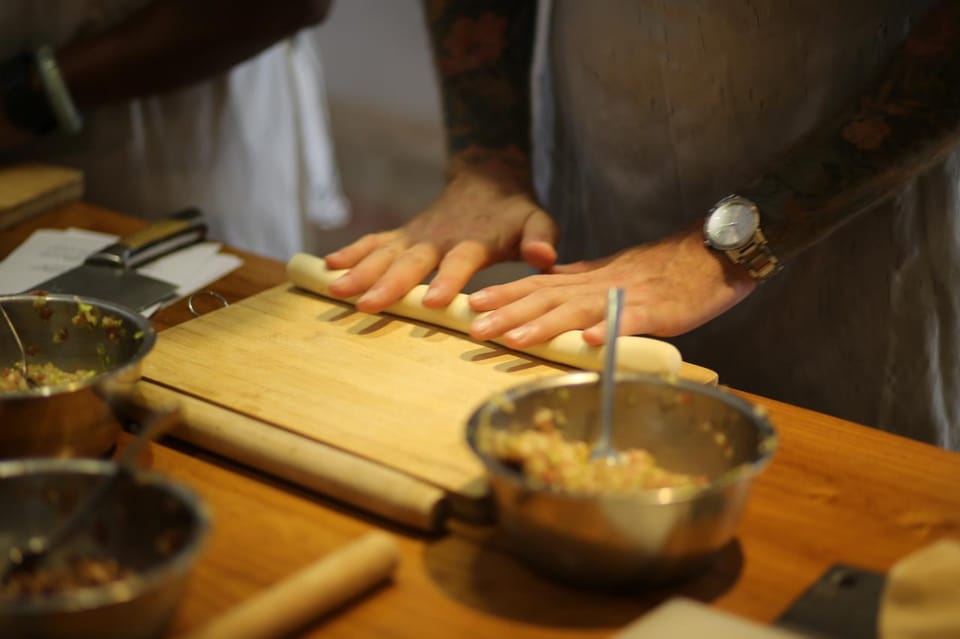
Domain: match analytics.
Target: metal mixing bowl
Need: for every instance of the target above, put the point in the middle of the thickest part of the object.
(647, 537)
(73, 420)
(149, 525)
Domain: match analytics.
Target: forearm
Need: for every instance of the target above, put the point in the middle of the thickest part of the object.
(909, 120)
(173, 43)
(483, 51)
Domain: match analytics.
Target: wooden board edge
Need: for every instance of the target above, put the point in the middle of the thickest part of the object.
(360, 482)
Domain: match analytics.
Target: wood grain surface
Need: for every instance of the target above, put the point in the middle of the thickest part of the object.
(308, 463)
(26, 190)
(835, 492)
(385, 388)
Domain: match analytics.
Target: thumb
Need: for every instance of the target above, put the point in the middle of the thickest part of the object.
(538, 244)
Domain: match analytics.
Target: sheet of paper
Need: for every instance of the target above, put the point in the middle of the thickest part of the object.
(49, 252)
(681, 618)
(46, 253)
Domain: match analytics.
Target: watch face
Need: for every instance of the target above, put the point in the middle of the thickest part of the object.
(731, 224)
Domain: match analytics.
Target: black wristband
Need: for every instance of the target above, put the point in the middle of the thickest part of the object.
(27, 109)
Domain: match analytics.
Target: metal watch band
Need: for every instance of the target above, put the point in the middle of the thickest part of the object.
(756, 257)
(61, 102)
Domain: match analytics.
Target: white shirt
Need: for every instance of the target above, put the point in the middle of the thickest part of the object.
(250, 148)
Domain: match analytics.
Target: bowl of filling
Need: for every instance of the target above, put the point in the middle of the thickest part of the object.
(122, 574)
(660, 509)
(79, 351)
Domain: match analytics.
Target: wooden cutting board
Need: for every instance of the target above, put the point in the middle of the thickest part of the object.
(391, 390)
(29, 189)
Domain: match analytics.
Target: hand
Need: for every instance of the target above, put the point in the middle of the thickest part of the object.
(670, 287)
(486, 214)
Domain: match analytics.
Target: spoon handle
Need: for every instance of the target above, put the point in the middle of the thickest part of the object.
(16, 338)
(157, 424)
(614, 304)
(25, 558)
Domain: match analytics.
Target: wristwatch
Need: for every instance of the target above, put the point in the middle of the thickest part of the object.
(733, 226)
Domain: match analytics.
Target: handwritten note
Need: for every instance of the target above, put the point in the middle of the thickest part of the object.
(49, 252)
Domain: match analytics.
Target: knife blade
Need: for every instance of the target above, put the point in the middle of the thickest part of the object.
(109, 273)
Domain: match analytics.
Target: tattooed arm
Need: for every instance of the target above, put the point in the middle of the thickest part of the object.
(482, 51)
(487, 213)
(906, 122)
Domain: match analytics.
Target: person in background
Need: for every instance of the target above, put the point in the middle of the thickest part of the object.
(165, 104)
(775, 185)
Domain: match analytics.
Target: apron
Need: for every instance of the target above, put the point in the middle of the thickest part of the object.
(648, 112)
(250, 148)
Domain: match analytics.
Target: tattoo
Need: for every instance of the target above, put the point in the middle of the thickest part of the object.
(483, 50)
(909, 120)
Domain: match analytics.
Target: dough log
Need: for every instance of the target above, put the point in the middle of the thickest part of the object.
(640, 354)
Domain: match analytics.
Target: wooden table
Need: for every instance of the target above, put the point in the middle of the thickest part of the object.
(836, 492)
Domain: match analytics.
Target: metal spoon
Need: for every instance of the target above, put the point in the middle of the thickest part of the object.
(37, 549)
(602, 448)
(23, 352)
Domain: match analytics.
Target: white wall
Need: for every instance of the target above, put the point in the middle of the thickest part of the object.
(385, 118)
(384, 105)
(376, 54)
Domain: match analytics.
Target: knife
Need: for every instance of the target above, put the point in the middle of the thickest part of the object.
(108, 274)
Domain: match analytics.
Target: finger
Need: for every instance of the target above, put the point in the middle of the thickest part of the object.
(538, 244)
(350, 255)
(493, 297)
(364, 274)
(578, 313)
(539, 255)
(456, 268)
(495, 323)
(534, 318)
(634, 320)
(408, 269)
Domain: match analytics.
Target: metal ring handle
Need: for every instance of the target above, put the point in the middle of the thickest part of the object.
(210, 293)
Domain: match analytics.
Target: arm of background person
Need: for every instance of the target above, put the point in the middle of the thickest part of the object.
(170, 44)
(487, 212)
(901, 125)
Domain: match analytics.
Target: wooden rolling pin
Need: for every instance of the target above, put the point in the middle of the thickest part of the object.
(313, 591)
(640, 354)
(305, 462)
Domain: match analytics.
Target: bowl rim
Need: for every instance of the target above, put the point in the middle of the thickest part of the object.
(767, 445)
(122, 590)
(143, 324)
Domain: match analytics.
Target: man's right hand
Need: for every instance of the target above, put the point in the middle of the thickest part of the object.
(486, 214)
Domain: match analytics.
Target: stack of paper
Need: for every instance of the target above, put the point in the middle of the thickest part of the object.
(49, 252)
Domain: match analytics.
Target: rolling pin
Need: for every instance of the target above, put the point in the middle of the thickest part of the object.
(309, 593)
(305, 462)
(638, 354)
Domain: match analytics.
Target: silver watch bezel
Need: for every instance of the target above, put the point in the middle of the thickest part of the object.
(721, 208)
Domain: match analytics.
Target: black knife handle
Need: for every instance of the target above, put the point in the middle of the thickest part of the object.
(161, 237)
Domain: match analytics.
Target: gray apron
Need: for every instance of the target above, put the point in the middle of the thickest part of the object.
(648, 112)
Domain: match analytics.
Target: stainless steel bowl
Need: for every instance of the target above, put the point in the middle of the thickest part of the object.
(151, 526)
(73, 420)
(647, 537)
